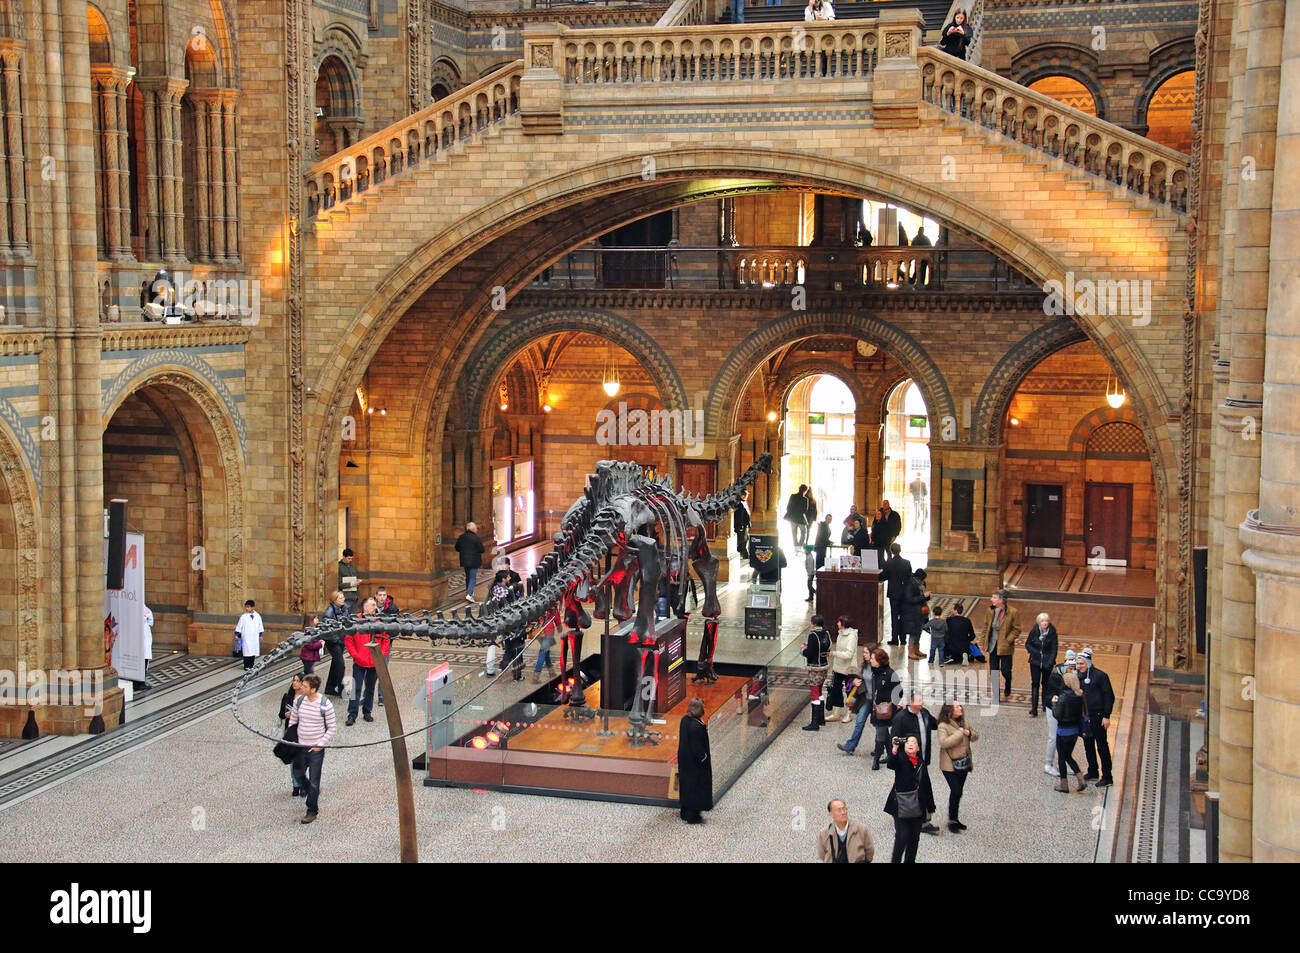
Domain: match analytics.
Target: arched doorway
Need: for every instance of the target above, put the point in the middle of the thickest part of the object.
(907, 464)
(337, 107)
(1065, 89)
(1076, 478)
(819, 444)
(168, 453)
(1169, 112)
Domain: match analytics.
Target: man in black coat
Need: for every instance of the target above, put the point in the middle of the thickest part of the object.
(893, 528)
(1099, 698)
(916, 720)
(740, 523)
(796, 514)
(694, 765)
(895, 574)
(470, 548)
(1040, 643)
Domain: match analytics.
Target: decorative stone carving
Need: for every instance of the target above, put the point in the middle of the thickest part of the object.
(898, 44)
(543, 58)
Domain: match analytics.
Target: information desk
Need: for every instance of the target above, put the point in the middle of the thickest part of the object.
(853, 594)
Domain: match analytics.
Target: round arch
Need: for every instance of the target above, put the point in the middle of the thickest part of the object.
(602, 184)
(217, 441)
(20, 489)
(735, 372)
(793, 374)
(1164, 63)
(101, 38)
(1061, 59)
(1010, 372)
(1095, 420)
(513, 335)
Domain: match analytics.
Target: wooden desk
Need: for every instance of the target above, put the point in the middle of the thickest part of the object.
(854, 594)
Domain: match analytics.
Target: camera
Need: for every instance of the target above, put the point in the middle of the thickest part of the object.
(896, 742)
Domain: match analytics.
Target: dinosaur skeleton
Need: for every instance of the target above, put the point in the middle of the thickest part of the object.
(639, 529)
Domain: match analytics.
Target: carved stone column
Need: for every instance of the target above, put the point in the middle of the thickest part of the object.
(172, 174)
(14, 146)
(204, 103)
(228, 146)
(210, 118)
(110, 86)
(153, 245)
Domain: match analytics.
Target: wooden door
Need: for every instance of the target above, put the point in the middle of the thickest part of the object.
(699, 476)
(1107, 523)
(1043, 519)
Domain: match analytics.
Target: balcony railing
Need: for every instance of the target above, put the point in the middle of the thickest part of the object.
(748, 268)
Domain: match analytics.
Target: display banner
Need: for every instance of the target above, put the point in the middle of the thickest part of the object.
(124, 614)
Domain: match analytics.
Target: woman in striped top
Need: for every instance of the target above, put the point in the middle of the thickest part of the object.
(314, 716)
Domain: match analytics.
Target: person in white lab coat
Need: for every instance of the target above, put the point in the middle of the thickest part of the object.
(146, 646)
(249, 629)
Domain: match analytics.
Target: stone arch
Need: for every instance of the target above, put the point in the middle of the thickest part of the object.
(444, 78)
(20, 488)
(1060, 59)
(1165, 62)
(794, 373)
(217, 436)
(607, 179)
(100, 36)
(514, 334)
(1095, 420)
(1008, 374)
(736, 370)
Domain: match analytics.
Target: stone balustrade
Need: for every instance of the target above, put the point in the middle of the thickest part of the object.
(1041, 123)
(714, 54)
(415, 140)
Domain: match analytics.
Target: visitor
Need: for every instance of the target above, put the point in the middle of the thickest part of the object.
(694, 766)
(1099, 702)
(544, 646)
(816, 652)
(1069, 707)
(286, 709)
(314, 716)
(249, 632)
(796, 514)
(384, 603)
(810, 509)
(515, 578)
(961, 634)
(917, 489)
(914, 597)
(895, 574)
(862, 697)
(1055, 685)
(337, 609)
(910, 800)
(1001, 629)
(844, 841)
(500, 590)
(1040, 645)
(310, 652)
(810, 569)
(955, 738)
(845, 666)
(818, 10)
(146, 648)
(916, 721)
(740, 522)
(937, 629)
(891, 529)
(349, 584)
(470, 549)
(822, 541)
(956, 36)
(856, 534)
(364, 675)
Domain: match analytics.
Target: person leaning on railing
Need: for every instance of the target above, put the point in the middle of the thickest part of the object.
(956, 36)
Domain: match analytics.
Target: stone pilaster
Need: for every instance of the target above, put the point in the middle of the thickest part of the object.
(17, 224)
(230, 181)
(1272, 534)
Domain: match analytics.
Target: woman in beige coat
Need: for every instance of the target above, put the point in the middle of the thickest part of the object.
(955, 738)
(846, 665)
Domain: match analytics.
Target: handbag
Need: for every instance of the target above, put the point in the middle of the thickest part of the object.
(884, 711)
(976, 653)
(961, 764)
(908, 804)
(283, 750)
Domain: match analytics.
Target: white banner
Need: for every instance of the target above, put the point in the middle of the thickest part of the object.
(124, 612)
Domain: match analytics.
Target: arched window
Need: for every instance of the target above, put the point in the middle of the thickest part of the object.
(1169, 113)
(1066, 90)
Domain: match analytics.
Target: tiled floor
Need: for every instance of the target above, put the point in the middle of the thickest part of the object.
(209, 790)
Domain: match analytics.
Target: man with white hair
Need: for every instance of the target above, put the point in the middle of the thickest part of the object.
(1040, 643)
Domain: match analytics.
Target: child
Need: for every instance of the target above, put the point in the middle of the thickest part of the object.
(816, 651)
(311, 651)
(938, 629)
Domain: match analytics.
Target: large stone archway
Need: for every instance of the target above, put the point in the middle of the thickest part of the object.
(507, 337)
(736, 371)
(18, 495)
(214, 437)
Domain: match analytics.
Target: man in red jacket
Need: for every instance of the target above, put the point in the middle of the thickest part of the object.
(363, 666)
